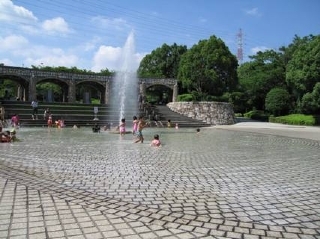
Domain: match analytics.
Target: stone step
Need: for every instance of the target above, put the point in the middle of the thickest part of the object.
(83, 115)
(164, 114)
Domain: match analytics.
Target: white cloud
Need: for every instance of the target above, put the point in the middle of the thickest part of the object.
(56, 25)
(20, 50)
(26, 21)
(253, 12)
(12, 43)
(91, 44)
(107, 23)
(256, 49)
(11, 12)
(107, 57)
(55, 57)
(27, 48)
(7, 62)
(30, 29)
(112, 58)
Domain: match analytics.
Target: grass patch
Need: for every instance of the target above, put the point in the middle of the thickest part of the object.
(294, 119)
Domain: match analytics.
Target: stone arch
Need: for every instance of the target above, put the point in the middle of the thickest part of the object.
(30, 77)
(160, 94)
(23, 85)
(169, 83)
(98, 86)
(49, 95)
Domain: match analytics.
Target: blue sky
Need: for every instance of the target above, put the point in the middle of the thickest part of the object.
(91, 34)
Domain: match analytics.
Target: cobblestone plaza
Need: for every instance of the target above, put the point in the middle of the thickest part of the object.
(225, 182)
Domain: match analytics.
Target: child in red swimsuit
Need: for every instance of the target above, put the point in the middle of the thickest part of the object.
(49, 120)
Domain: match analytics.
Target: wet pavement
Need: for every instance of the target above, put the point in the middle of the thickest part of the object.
(242, 181)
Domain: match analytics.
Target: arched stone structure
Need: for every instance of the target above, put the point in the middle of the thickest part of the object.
(171, 83)
(28, 79)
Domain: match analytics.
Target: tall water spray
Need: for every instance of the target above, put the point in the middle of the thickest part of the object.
(124, 87)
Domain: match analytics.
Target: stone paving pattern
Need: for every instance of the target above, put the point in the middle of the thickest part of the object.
(225, 182)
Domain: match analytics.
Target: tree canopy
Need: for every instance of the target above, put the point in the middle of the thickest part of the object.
(295, 68)
(259, 76)
(162, 62)
(73, 69)
(303, 69)
(208, 68)
(278, 101)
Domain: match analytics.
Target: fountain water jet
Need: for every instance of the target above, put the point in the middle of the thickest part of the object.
(124, 87)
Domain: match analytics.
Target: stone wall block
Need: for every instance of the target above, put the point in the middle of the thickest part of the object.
(214, 113)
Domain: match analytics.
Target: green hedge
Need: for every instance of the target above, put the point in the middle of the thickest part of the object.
(185, 97)
(294, 119)
(257, 115)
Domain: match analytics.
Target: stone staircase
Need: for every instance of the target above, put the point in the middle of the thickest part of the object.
(83, 115)
(72, 114)
(163, 113)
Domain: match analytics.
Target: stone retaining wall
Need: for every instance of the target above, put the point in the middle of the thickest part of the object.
(214, 113)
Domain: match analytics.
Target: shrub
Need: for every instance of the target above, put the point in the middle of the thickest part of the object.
(238, 114)
(310, 102)
(294, 119)
(185, 97)
(277, 101)
(256, 115)
(223, 98)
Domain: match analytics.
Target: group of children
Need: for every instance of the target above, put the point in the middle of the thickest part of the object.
(15, 121)
(47, 115)
(7, 136)
(138, 125)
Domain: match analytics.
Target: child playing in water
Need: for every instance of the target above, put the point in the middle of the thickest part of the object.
(49, 122)
(156, 141)
(96, 128)
(15, 121)
(141, 125)
(5, 136)
(122, 127)
(135, 125)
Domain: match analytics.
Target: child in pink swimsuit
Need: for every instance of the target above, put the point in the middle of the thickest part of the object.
(122, 127)
(135, 125)
(156, 141)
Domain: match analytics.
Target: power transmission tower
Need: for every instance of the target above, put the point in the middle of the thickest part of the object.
(240, 45)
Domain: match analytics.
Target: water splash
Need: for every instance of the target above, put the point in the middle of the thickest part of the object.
(124, 88)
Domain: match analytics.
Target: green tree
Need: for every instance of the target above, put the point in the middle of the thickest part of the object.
(278, 101)
(162, 62)
(8, 89)
(257, 77)
(289, 50)
(303, 69)
(106, 72)
(65, 69)
(42, 89)
(239, 100)
(310, 103)
(208, 68)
